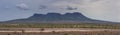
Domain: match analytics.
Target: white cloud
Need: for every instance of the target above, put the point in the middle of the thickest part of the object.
(104, 10)
(22, 6)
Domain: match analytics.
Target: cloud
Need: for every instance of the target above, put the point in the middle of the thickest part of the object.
(42, 7)
(103, 9)
(22, 6)
(71, 8)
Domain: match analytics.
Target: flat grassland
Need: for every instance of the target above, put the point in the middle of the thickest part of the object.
(60, 29)
(49, 25)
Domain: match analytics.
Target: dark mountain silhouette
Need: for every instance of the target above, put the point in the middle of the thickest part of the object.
(56, 17)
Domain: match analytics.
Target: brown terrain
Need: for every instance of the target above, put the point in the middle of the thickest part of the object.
(57, 31)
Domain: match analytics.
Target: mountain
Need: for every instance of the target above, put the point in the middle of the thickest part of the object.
(58, 18)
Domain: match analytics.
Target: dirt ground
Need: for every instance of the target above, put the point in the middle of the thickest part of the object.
(58, 31)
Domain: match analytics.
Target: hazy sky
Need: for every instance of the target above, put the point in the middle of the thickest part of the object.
(108, 10)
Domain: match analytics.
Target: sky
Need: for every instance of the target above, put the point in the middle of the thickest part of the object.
(108, 10)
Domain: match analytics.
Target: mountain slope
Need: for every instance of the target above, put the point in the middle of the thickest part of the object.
(56, 17)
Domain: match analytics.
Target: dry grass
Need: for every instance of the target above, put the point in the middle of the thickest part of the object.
(64, 33)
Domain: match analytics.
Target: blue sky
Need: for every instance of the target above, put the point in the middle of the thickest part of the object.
(108, 10)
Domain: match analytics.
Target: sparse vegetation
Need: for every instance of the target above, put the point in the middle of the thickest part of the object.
(65, 34)
(42, 29)
(68, 33)
(83, 25)
(8, 34)
(23, 32)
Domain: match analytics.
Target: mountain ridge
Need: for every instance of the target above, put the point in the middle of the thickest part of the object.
(75, 17)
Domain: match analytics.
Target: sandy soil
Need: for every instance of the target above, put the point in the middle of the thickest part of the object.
(52, 29)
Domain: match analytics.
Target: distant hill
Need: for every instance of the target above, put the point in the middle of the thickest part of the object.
(58, 18)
